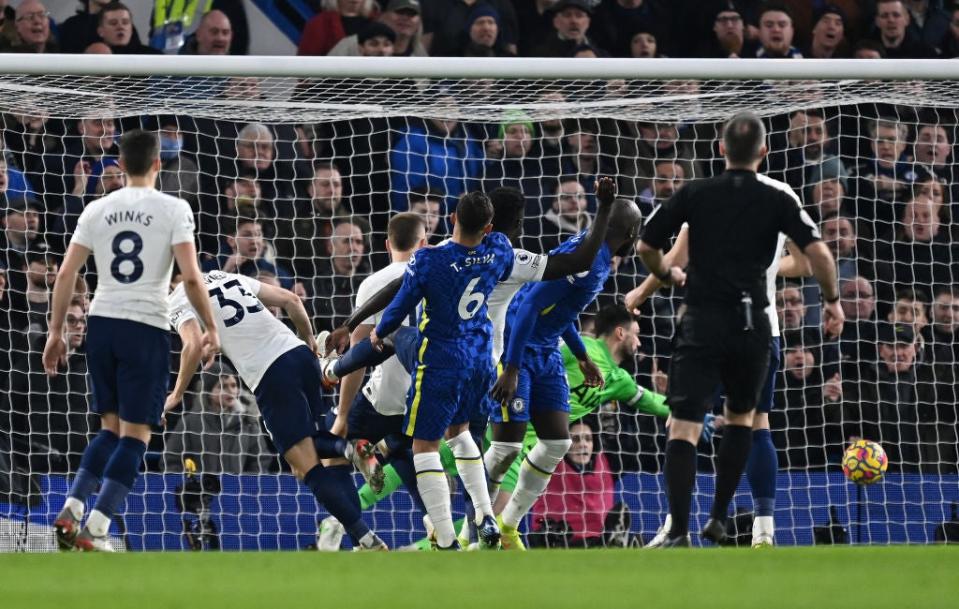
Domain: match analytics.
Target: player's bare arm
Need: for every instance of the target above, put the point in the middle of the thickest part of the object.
(185, 254)
(340, 337)
(654, 260)
(55, 350)
(273, 296)
(678, 255)
(795, 263)
(824, 269)
(192, 338)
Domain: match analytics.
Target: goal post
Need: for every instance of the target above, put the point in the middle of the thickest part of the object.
(294, 165)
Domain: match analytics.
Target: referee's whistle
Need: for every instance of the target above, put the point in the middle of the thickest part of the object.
(747, 302)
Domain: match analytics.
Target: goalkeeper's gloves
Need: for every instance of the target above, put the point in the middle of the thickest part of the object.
(709, 428)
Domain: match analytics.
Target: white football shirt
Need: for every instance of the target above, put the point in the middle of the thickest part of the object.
(389, 382)
(250, 336)
(131, 232)
(527, 267)
(780, 244)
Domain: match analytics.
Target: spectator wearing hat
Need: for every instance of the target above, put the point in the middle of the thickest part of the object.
(513, 160)
(881, 402)
(536, 17)
(571, 21)
(21, 229)
(776, 34)
(826, 188)
(892, 31)
(729, 33)
(376, 40)
(444, 22)
(337, 20)
(403, 17)
(828, 35)
(616, 22)
(481, 35)
(30, 300)
(644, 45)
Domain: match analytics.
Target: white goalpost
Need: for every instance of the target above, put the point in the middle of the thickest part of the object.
(294, 165)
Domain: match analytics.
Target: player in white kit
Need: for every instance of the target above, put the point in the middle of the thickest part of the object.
(134, 235)
(282, 370)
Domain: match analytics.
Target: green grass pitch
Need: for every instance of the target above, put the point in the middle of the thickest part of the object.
(780, 578)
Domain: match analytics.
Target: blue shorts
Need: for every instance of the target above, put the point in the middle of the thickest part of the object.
(542, 387)
(766, 397)
(290, 398)
(406, 341)
(129, 367)
(440, 397)
(364, 421)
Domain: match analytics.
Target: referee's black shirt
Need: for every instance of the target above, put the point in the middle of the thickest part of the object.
(734, 223)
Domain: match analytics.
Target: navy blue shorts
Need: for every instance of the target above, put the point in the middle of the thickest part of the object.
(129, 367)
(542, 387)
(290, 398)
(440, 397)
(406, 341)
(766, 397)
(365, 422)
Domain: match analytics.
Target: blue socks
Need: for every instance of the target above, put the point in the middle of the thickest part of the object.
(329, 446)
(761, 472)
(333, 487)
(94, 460)
(360, 356)
(119, 475)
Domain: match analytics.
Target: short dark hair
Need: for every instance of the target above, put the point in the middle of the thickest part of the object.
(744, 136)
(403, 230)
(109, 8)
(241, 220)
(509, 207)
(611, 317)
(870, 45)
(474, 212)
(425, 193)
(775, 7)
(138, 150)
(325, 166)
(912, 294)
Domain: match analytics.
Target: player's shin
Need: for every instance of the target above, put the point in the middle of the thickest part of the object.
(333, 488)
(498, 459)
(119, 475)
(537, 469)
(469, 465)
(761, 473)
(92, 464)
(435, 492)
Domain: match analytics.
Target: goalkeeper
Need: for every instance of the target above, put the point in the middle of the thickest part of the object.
(617, 339)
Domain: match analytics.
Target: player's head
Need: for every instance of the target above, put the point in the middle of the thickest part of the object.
(406, 232)
(139, 153)
(624, 224)
(509, 207)
(616, 326)
(474, 214)
(247, 238)
(744, 140)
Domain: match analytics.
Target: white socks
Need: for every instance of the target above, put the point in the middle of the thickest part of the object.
(764, 529)
(75, 506)
(538, 467)
(499, 458)
(435, 492)
(469, 465)
(98, 524)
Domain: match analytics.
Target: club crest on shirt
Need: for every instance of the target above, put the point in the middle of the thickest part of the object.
(517, 405)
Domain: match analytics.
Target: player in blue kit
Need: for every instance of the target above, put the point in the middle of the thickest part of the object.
(454, 367)
(533, 386)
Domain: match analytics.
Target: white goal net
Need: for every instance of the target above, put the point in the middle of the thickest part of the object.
(293, 179)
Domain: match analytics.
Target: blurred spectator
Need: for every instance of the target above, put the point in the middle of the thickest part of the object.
(115, 28)
(51, 413)
(248, 253)
(776, 33)
(644, 45)
(445, 23)
(806, 142)
(428, 202)
(536, 17)
(828, 35)
(481, 33)
(98, 48)
(178, 172)
(403, 17)
(302, 239)
(929, 21)
(869, 49)
(376, 40)
(616, 23)
(581, 157)
(921, 250)
(221, 431)
(854, 256)
(105, 177)
(435, 153)
(30, 305)
(13, 182)
(808, 413)
(910, 309)
(32, 24)
(729, 33)
(636, 148)
(884, 178)
(790, 307)
(828, 184)
(858, 339)
(256, 158)
(8, 26)
(571, 20)
(213, 36)
(950, 41)
(897, 39)
(576, 508)
(881, 403)
(669, 177)
(565, 217)
(21, 226)
(27, 139)
(69, 171)
(514, 160)
(337, 20)
(942, 355)
(933, 148)
(339, 276)
(78, 33)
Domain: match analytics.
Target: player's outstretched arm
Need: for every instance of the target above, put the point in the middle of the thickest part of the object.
(185, 254)
(192, 338)
(55, 350)
(795, 264)
(410, 294)
(341, 337)
(581, 259)
(273, 296)
(678, 255)
(824, 269)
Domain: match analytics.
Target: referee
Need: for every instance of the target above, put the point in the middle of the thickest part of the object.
(723, 336)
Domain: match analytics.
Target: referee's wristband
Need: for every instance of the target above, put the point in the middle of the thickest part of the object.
(664, 276)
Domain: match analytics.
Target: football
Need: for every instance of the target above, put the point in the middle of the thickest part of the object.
(864, 462)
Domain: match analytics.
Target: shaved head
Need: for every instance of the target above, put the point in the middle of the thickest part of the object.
(624, 225)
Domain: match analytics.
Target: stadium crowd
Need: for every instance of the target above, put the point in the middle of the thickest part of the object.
(304, 206)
